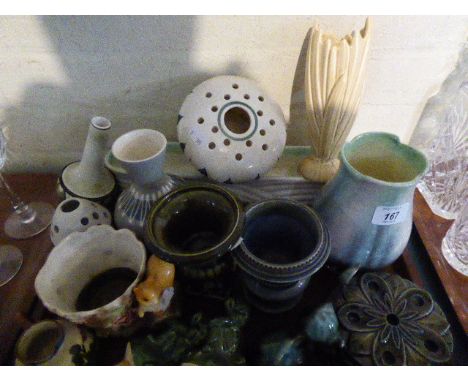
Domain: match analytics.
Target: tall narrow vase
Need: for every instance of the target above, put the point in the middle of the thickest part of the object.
(368, 205)
(333, 86)
(89, 178)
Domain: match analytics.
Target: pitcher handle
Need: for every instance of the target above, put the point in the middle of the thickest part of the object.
(112, 164)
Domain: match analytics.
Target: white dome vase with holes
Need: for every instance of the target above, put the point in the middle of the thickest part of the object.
(77, 215)
(230, 130)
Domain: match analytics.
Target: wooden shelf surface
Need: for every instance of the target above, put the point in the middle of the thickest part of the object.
(432, 229)
(19, 305)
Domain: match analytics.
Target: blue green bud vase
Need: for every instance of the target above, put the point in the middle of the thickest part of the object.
(368, 206)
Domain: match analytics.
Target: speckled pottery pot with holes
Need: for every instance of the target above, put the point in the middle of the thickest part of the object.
(76, 215)
(195, 226)
(230, 130)
(283, 244)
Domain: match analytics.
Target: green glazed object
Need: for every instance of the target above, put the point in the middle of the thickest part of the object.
(172, 345)
(323, 326)
(222, 346)
(200, 342)
(384, 320)
(390, 321)
(281, 350)
(194, 226)
(367, 207)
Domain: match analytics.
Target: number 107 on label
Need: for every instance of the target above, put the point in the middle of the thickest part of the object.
(387, 215)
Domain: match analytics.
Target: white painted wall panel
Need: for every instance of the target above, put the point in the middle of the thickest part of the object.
(57, 72)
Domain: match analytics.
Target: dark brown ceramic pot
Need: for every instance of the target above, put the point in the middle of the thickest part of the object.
(195, 227)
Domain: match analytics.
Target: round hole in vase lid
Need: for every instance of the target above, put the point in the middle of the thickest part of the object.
(100, 123)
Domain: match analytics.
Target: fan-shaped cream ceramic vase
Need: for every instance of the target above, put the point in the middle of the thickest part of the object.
(333, 86)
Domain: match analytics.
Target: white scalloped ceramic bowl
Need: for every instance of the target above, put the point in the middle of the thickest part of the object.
(77, 260)
(230, 130)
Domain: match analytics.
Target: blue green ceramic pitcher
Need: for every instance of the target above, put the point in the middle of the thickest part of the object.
(368, 205)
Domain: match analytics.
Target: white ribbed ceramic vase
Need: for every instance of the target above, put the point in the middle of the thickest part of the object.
(230, 130)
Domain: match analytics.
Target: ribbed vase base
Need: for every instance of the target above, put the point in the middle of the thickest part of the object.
(317, 169)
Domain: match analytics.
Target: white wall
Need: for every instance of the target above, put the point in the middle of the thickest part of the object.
(57, 72)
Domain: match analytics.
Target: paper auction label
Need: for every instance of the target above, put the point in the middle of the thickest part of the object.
(387, 215)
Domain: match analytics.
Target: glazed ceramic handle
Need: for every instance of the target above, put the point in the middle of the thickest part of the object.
(112, 163)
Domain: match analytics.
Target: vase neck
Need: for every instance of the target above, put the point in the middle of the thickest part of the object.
(150, 186)
(92, 161)
(380, 158)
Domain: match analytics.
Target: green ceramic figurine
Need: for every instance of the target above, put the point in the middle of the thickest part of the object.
(170, 346)
(201, 342)
(223, 340)
(281, 350)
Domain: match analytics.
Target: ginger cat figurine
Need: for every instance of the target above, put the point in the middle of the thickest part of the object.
(154, 294)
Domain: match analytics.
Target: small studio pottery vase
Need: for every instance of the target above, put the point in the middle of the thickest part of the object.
(368, 205)
(283, 244)
(54, 343)
(230, 130)
(89, 178)
(140, 154)
(195, 227)
(82, 259)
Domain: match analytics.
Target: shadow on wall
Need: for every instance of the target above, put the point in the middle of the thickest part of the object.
(135, 70)
(298, 120)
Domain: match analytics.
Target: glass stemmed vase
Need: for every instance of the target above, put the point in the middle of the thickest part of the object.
(26, 221)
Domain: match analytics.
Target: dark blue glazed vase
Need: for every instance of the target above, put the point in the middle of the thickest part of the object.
(283, 244)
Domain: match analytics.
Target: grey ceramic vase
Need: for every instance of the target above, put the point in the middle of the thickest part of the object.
(368, 206)
(283, 244)
(140, 155)
(89, 178)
